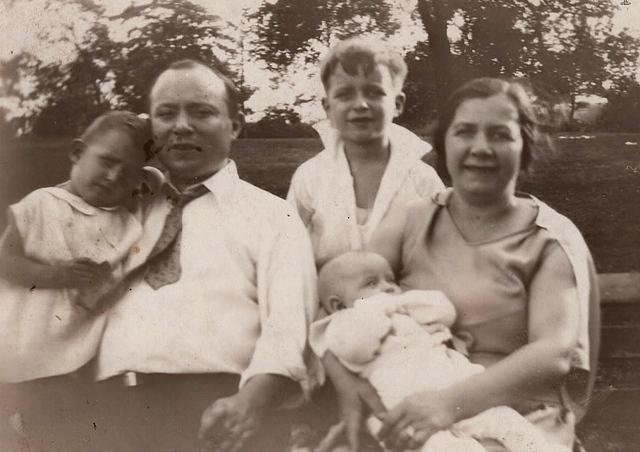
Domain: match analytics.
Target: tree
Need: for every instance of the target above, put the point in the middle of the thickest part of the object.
(622, 112)
(286, 28)
(169, 31)
(565, 48)
(103, 73)
(74, 93)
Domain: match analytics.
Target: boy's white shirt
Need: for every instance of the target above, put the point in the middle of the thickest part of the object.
(322, 190)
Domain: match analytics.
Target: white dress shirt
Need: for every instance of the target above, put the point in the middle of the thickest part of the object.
(245, 298)
(323, 193)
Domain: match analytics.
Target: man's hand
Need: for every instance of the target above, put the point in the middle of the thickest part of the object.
(228, 423)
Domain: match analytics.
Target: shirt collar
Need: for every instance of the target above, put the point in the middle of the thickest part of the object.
(220, 183)
(76, 202)
(403, 141)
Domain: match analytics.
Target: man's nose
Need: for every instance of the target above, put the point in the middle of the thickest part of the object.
(183, 123)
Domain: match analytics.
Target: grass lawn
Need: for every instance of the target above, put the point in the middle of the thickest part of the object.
(595, 182)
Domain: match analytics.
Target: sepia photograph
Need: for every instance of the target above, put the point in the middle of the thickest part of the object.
(319, 225)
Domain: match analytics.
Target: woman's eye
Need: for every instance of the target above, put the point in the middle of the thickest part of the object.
(503, 136)
(371, 283)
(462, 133)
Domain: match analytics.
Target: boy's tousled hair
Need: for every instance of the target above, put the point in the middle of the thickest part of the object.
(138, 129)
(364, 54)
(232, 93)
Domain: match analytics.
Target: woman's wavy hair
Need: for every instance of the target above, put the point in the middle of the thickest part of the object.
(534, 137)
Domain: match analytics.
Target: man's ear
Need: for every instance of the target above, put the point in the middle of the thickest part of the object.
(400, 101)
(236, 125)
(77, 148)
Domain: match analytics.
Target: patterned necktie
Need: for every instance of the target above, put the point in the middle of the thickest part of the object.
(163, 266)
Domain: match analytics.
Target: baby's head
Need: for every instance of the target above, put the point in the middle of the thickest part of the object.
(362, 79)
(352, 276)
(108, 158)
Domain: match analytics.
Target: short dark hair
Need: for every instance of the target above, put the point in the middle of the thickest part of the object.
(358, 53)
(232, 93)
(136, 128)
(534, 138)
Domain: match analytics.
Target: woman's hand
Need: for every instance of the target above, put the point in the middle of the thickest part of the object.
(356, 399)
(412, 422)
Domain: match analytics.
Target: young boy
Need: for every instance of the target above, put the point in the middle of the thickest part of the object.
(369, 165)
(402, 344)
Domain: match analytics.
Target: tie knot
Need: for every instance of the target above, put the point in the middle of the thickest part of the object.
(181, 199)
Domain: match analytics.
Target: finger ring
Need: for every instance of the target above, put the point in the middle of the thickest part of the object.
(410, 431)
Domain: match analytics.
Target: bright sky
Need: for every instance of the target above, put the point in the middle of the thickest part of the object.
(22, 23)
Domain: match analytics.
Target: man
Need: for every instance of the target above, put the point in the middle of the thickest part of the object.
(213, 329)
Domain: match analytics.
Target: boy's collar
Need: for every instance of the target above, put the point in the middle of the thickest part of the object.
(401, 139)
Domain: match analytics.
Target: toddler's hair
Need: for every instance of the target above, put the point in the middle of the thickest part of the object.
(358, 53)
(135, 127)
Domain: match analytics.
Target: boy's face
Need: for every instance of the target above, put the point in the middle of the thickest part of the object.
(371, 277)
(360, 106)
(106, 169)
(191, 122)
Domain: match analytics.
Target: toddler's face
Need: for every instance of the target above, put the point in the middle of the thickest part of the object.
(372, 278)
(106, 170)
(362, 106)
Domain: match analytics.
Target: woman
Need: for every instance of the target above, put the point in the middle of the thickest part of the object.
(519, 274)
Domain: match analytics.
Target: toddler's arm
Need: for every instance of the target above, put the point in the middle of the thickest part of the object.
(16, 267)
(354, 336)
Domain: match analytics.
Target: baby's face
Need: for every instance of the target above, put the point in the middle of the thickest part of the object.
(371, 277)
(107, 169)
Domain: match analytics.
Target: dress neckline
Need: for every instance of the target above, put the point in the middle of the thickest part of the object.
(474, 243)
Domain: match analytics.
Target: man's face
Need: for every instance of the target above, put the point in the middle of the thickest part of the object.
(191, 122)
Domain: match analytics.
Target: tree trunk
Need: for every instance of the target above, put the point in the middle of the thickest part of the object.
(434, 17)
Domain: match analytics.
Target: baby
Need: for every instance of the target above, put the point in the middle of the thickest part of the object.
(65, 247)
(402, 344)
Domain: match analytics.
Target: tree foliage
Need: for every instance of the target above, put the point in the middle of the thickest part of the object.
(106, 73)
(171, 31)
(286, 28)
(563, 47)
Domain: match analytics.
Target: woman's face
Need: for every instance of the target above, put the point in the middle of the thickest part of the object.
(483, 147)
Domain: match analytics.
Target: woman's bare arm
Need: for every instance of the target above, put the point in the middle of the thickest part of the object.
(552, 334)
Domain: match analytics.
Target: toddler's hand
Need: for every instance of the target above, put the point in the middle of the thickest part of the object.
(82, 273)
